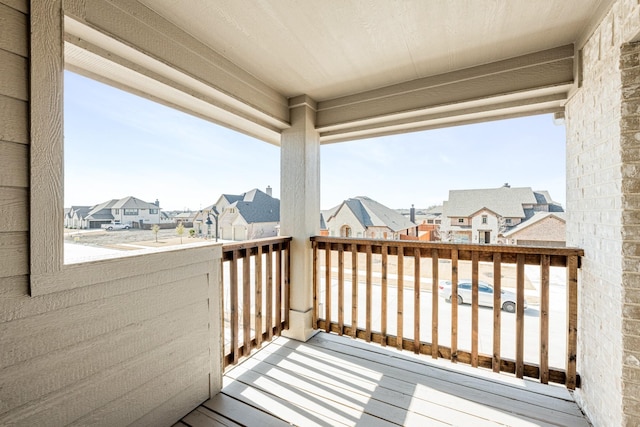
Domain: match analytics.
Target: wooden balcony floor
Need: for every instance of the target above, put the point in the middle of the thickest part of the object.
(334, 381)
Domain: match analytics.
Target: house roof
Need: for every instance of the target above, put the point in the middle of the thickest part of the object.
(131, 202)
(504, 201)
(536, 218)
(373, 214)
(256, 206)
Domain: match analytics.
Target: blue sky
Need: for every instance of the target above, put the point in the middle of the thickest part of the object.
(118, 145)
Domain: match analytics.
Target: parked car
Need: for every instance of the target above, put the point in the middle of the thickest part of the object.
(116, 225)
(485, 294)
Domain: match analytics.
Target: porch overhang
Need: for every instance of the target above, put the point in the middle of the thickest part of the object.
(170, 65)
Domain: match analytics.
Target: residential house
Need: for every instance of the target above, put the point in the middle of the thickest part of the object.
(129, 210)
(429, 224)
(484, 215)
(251, 215)
(542, 229)
(137, 340)
(365, 218)
(76, 216)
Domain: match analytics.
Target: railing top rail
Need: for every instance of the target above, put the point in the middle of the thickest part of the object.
(503, 249)
(249, 244)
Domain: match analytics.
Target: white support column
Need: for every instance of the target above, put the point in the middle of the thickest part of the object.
(300, 208)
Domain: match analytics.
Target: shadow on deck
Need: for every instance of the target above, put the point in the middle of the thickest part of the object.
(333, 380)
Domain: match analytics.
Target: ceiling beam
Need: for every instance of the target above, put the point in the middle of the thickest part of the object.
(461, 96)
(131, 35)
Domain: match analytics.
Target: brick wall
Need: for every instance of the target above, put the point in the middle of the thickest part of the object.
(603, 197)
(630, 154)
(548, 229)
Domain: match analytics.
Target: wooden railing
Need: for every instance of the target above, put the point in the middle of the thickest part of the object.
(342, 308)
(256, 294)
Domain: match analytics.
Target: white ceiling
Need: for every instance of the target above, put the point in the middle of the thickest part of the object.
(331, 48)
(369, 67)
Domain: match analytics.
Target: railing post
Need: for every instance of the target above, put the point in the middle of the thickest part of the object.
(572, 320)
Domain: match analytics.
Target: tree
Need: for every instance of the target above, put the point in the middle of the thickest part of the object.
(155, 230)
(180, 231)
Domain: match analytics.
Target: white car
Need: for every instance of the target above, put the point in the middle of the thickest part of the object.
(117, 225)
(485, 294)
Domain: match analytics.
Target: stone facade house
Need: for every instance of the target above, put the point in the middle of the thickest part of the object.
(365, 218)
(251, 215)
(484, 215)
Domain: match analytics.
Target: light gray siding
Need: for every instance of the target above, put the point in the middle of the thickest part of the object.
(136, 350)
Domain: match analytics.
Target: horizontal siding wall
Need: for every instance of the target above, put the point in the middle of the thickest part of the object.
(136, 350)
(107, 354)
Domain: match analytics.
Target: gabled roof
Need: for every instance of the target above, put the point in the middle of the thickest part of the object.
(255, 206)
(133, 203)
(536, 218)
(373, 214)
(504, 201)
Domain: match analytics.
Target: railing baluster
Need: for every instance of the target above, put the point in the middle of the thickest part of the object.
(269, 296)
(497, 309)
(520, 315)
(474, 309)
(287, 282)
(258, 293)
(400, 275)
(254, 296)
(383, 298)
(340, 289)
(435, 265)
(454, 305)
(369, 292)
(233, 289)
(314, 320)
(416, 300)
(327, 288)
(279, 290)
(544, 319)
(572, 320)
(246, 303)
(354, 290)
(466, 253)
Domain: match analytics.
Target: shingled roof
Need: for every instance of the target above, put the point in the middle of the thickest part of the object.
(373, 214)
(504, 201)
(256, 206)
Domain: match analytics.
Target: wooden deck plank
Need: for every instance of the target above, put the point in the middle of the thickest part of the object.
(203, 417)
(489, 393)
(334, 380)
(392, 402)
(243, 413)
(335, 403)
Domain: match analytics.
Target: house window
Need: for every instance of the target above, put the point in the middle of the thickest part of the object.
(438, 221)
(484, 219)
(508, 221)
(131, 211)
(460, 220)
(153, 211)
(429, 221)
(116, 211)
(345, 231)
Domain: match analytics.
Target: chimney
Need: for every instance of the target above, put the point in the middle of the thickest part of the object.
(506, 185)
(269, 191)
(412, 214)
(157, 203)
